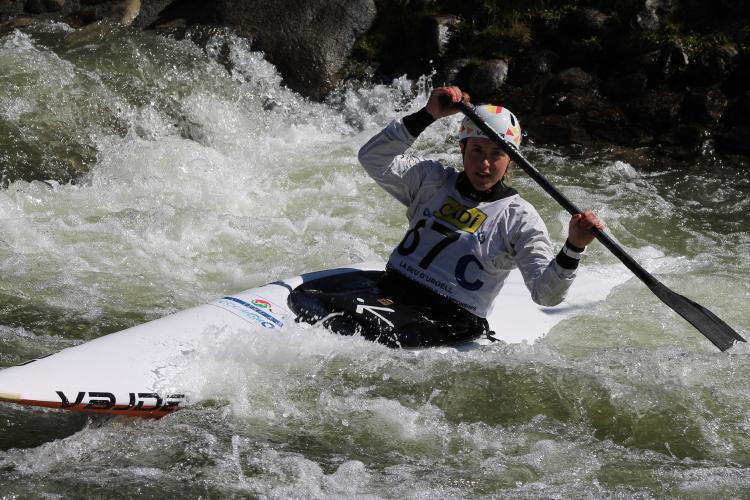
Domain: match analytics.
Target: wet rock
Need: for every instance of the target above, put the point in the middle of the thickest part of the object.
(85, 16)
(415, 49)
(521, 100)
(655, 65)
(149, 12)
(410, 43)
(444, 27)
(79, 13)
(307, 40)
(9, 26)
(537, 64)
(422, 4)
(625, 87)
(10, 8)
(704, 105)
(607, 122)
(645, 62)
(43, 6)
(569, 79)
(735, 140)
(689, 136)
(483, 79)
(671, 61)
(657, 111)
(653, 16)
(557, 129)
(587, 22)
(127, 11)
(622, 83)
(737, 81)
(738, 111)
(588, 52)
(712, 66)
(448, 73)
(573, 101)
(744, 106)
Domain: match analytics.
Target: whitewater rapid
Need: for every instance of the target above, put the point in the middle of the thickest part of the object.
(165, 180)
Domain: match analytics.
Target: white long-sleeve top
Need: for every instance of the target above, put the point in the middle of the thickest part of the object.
(459, 248)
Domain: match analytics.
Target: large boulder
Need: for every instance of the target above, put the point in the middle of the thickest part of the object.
(654, 15)
(738, 111)
(736, 83)
(570, 79)
(712, 66)
(735, 140)
(307, 40)
(10, 8)
(81, 12)
(484, 78)
(608, 123)
(557, 129)
(43, 6)
(535, 65)
(657, 111)
(628, 86)
(704, 105)
(585, 22)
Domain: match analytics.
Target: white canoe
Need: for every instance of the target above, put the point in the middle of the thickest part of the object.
(123, 373)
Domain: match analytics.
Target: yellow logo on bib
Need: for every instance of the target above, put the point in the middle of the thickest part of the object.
(460, 217)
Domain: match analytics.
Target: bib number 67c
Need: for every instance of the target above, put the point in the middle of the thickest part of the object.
(411, 241)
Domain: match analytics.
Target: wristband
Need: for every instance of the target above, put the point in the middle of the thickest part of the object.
(573, 252)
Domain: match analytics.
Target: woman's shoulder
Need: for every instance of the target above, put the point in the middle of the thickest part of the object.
(521, 215)
(520, 205)
(512, 204)
(435, 171)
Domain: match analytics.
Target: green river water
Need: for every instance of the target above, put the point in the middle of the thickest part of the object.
(167, 181)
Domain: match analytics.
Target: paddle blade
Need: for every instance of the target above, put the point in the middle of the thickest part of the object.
(711, 326)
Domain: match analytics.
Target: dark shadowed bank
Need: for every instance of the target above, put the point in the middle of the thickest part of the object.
(661, 76)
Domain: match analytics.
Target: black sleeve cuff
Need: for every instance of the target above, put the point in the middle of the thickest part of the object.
(417, 122)
(566, 262)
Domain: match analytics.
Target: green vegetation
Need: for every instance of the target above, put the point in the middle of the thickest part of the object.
(403, 37)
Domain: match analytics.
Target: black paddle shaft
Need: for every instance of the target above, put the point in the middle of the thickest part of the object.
(710, 325)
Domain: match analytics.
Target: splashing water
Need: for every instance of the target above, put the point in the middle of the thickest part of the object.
(141, 177)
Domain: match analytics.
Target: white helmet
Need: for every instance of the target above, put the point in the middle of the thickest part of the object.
(500, 119)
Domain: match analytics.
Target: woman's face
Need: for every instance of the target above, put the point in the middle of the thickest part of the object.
(485, 163)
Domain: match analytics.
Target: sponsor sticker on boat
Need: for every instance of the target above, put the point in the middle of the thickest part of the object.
(256, 310)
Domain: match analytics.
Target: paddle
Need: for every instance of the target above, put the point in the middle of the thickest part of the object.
(710, 325)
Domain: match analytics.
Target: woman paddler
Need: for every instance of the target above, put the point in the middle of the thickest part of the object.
(467, 231)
